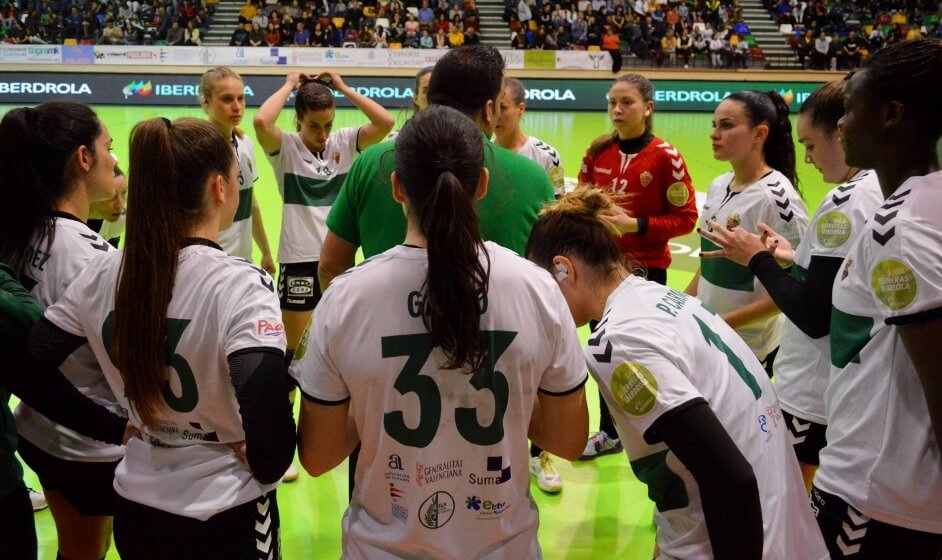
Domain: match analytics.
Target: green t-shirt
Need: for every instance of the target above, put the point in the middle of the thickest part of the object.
(18, 312)
(366, 215)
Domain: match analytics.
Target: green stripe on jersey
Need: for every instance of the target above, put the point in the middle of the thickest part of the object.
(665, 488)
(244, 211)
(305, 191)
(724, 273)
(849, 334)
(799, 273)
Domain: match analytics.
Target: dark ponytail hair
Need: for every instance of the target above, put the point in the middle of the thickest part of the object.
(37, 145)
(439, 157)
(646, 89)
(908, 72)
(312, 95)
(169, 166)
(771, 110)
(574, 226)
(825, 106)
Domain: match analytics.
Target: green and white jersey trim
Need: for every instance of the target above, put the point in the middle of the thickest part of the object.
(882, 456)
(724, 285)
(237, 238)
(220, 305)
(656, 351)
(309, 184)
(803, 364)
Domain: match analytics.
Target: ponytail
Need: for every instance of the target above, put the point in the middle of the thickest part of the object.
(439, 158)
(169, 166)
(38, 145)
(770, 109)
(779, 148)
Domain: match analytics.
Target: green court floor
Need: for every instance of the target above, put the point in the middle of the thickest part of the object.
(603, 511)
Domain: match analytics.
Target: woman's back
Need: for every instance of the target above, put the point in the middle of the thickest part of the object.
(220, 305)
(657, 351)
(451, 448)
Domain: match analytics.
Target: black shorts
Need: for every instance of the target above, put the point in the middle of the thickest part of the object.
(298, 287)
(88, 486)
(807, 438)
(251, 531)
(849, 533)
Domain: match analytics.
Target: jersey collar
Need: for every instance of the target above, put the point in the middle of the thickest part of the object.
(201, 241)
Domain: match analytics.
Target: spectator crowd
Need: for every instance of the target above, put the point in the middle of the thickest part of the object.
(838, 35)
(375, 24)
(111, 22)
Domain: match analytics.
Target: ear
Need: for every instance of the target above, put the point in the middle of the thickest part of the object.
(760, 133)
(563, 269)
(397, 191)
(482, 184)
(84, 158)
(217, 188)
(489, 112)
(893, 114)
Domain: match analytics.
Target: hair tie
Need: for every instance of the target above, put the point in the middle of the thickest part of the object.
(167, 122)
(443, 167)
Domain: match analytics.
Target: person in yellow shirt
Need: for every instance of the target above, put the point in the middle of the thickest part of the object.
(455, 36)
(247, 12)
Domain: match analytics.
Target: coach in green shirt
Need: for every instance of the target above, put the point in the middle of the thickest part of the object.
(468, 79)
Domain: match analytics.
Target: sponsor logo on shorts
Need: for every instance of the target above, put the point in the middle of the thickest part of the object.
(301, 286)
(428, 474)
(267, 328)
(497, 473)
(436, 510)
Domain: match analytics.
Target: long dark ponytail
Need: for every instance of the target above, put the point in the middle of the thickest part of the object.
(770, 109)
(169, 166)
(37, 146)
(439, 158)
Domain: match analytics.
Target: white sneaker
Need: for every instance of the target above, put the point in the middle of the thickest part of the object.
(291, 474)
(600, 444)
(547, 477)
(38, 500)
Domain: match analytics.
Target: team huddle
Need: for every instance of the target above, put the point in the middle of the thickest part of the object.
(784, 406)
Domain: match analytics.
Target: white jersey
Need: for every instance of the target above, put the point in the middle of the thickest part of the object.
(237, 238)
(803, 364)
(724, 285)
(443, 469)
(48, 274)
(111, 230)
(548, 158)
(655, 351)
(309, 184)
(220, 305)
(882, 456)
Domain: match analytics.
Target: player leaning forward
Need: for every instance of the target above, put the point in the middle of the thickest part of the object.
(695, 410)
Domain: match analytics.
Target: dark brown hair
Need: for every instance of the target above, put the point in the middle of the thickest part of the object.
(770, 109)
(647, 93)
(825, 106)
(169, 166)
(439, 158)
(37, 145)
(312, 95)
